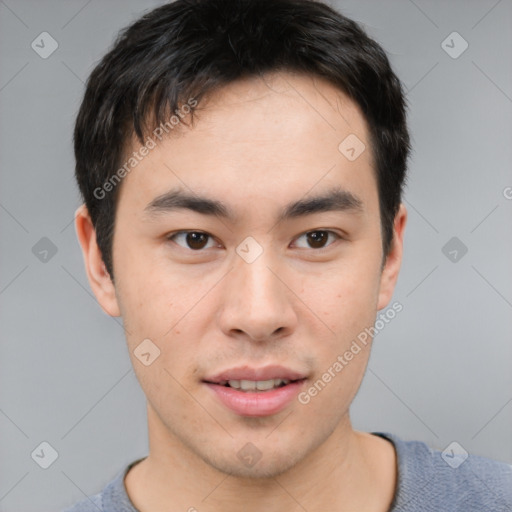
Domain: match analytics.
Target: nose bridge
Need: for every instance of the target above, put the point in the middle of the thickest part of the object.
(257, 301)
(259, 288)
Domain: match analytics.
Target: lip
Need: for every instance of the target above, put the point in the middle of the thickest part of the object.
(256, 403)
(249, 373)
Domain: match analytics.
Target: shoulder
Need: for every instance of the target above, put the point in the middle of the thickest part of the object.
(431, 480)
(113, 498)
(90, 504)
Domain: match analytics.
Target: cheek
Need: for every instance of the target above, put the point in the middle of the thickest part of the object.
(150, 296)
(344, 296)
(346, 303)
(333, 390)
(159, 304)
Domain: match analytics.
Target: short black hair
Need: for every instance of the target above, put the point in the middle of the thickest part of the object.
(189, 48)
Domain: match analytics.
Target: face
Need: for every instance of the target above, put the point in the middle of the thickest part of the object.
(269, 268)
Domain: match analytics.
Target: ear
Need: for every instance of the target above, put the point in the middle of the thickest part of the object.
(99, 278)
(391, 268)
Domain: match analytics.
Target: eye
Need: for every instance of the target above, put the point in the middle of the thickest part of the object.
(317, 239)
(195, 240)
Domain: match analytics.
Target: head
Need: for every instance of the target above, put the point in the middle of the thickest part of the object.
(284, 126)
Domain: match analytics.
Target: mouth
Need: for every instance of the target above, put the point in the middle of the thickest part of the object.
(255, 386)
(256, 392)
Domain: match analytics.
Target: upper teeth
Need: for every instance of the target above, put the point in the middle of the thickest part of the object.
(261, 385)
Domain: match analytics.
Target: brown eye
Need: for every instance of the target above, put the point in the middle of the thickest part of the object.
(195, 240)
(318, 239)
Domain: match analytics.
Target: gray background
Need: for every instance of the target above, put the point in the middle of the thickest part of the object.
(439, 372)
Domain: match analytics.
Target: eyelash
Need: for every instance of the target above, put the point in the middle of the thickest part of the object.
(172, 236)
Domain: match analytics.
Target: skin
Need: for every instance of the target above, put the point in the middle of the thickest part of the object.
(256, 145)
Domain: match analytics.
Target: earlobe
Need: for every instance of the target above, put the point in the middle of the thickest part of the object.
(391, 268)
(99, 278)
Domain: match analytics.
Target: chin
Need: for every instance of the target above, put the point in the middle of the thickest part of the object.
(264, 468)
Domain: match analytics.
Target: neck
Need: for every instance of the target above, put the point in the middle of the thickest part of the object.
(349, 471)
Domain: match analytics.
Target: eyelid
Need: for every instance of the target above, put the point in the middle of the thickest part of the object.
(323, 230)
(172, 235)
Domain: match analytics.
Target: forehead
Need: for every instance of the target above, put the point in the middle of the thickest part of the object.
(282, 107)
(283, 133)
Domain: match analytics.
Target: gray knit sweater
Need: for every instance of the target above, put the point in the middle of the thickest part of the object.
(428, 481)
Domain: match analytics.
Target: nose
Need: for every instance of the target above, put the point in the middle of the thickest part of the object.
(257, 302)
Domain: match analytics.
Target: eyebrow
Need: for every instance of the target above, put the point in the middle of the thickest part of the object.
(335, 199)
